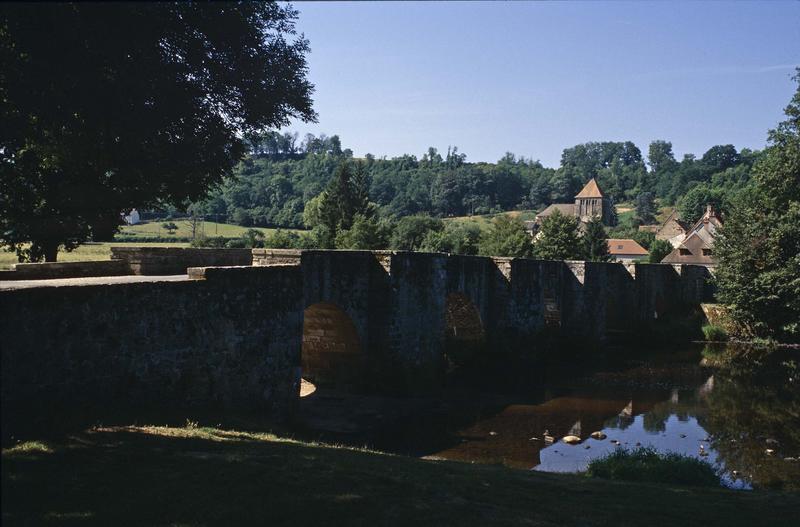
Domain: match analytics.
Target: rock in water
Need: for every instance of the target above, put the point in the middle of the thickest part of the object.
(571, 440)
(598, 435)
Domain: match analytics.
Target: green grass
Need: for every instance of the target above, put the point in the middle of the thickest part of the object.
(647, 464)
(209, 228)
(623, 217)
(102, 251)
(88, 252)
(196, 475)
(714, 333)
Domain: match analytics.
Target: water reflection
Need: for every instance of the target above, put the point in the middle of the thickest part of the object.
(737, 410)
(741, 416)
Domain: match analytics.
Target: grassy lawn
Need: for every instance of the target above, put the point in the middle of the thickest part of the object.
(484, 221)
(208, 476)
(102, 251)
(89, 252)
(209, 228)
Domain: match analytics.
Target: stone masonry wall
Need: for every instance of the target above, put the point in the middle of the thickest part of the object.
(50, 270)
(231, 339)
(263, 257)
(175, 260)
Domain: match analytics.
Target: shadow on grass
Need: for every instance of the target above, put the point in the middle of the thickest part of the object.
(211, 476)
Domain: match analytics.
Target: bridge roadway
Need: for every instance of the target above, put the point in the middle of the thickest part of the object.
(10, 285)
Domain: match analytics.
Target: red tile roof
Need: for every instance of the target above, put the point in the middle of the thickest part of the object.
(625, 246)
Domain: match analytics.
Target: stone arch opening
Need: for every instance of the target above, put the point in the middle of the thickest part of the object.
(464, 332)
(331, 352)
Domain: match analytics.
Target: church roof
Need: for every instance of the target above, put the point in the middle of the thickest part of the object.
(567, 209)
(591, 190)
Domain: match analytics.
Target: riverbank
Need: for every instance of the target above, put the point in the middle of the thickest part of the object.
(210, 476)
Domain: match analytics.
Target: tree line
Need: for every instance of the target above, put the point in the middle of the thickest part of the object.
(272, 186)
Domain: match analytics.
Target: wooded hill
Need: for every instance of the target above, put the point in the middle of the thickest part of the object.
(271, 187)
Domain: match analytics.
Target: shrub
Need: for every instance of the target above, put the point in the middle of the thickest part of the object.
(212, 241)
(647, 464)
(714, 333)
(130, 237)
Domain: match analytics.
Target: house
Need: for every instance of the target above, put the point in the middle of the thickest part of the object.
(626, 250)
(672, 230)
(590, 203)
(132, 218)
(697, 247)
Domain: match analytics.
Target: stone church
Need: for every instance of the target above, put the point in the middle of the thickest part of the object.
(590, 203)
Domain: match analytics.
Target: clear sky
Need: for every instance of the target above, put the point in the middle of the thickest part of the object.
(534, 78)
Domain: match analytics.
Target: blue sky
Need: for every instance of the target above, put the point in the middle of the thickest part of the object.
(534, 78)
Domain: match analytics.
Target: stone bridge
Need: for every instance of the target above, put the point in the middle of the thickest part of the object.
(245, 335)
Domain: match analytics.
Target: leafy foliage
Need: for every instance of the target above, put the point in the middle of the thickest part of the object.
(558, 238)
(595, 242)
(659, 249)
(647, 464)
(409, 232)
(758, 274)
(646, 208)
(110, 107)
(455, 238)
(366, 233)
(506, 237)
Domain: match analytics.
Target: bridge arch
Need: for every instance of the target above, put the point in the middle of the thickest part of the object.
(465, 335)
(331, 353)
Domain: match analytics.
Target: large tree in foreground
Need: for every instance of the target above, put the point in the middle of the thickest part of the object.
(112, 106)
(758, 249)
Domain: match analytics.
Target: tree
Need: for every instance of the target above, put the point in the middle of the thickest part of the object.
(595, 242)
(720, 157)
(660, 156)
(106, 107)
(645, 208)
(659, 249)
(506, 237)
(693, 204)
(366, 233)
(558, 238)
(347, 195)
(758, 250)
(455, 238)
(170, 227)
(409, 232)
(255, 238)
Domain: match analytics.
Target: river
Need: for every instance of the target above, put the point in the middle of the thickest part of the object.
(738, 410)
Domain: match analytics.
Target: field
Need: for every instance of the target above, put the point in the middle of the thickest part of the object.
(193, 475)
(102, 251)
(625, 212)
(184, 230)
(88, 252)
(484, 221)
